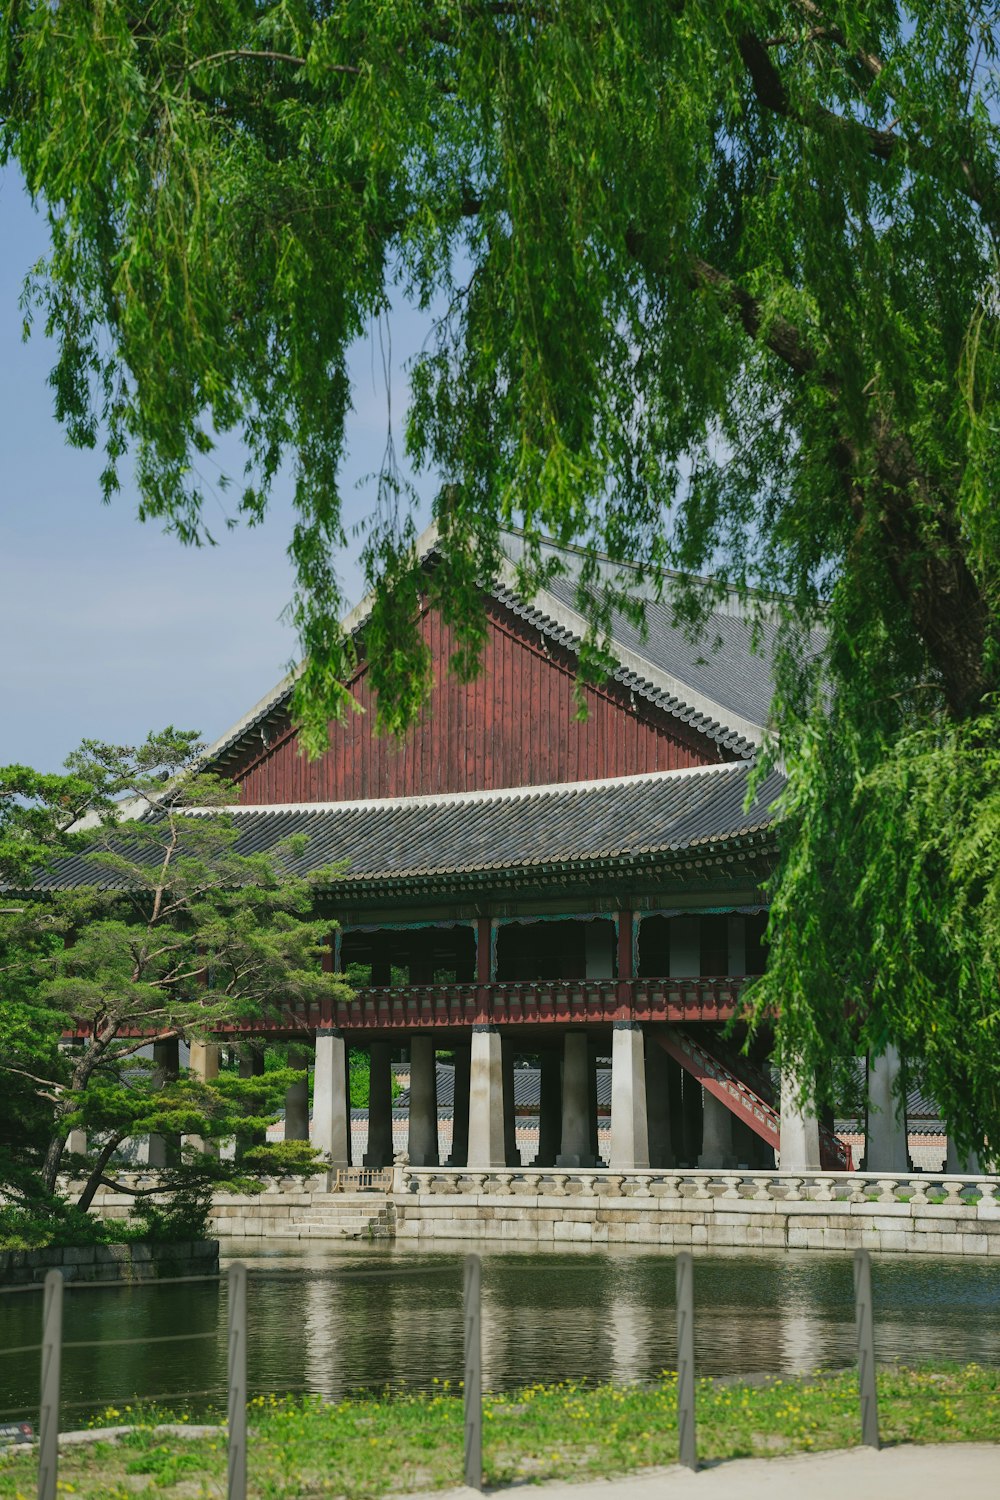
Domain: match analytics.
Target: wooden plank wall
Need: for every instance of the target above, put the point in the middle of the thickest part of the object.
(515, 725)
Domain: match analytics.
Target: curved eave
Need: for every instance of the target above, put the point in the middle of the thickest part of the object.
(647, 865)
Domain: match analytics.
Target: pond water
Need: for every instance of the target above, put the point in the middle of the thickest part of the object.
(336, 1321)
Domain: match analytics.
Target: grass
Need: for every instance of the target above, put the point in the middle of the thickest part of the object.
(369, 1447)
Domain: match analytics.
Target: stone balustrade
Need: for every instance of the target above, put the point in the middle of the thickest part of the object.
(819, 1210)
(914, 1212)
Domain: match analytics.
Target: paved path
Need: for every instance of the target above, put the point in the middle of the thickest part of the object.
(967, 1471)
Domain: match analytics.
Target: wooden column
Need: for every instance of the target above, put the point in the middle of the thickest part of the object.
(625, 966)
(484, 969)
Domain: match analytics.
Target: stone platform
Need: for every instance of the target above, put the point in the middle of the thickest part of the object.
(821, 1211)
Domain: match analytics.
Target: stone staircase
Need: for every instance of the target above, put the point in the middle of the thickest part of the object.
(340, 1216)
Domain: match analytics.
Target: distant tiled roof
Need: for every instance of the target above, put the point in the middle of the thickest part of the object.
(921, 1111)
(527, 1087)
(391, 840)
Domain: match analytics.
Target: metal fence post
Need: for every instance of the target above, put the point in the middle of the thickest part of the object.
(686, 1440)
(865, 1331)
(471, 1302)
(237, 1379)
(48, 1414)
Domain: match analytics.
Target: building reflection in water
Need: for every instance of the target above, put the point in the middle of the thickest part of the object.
(338, 1322)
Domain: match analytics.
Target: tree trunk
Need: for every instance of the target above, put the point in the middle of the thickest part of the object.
(94, 1180)
(66, 1106)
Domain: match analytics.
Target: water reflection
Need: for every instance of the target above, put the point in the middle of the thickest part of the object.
(336, 1321)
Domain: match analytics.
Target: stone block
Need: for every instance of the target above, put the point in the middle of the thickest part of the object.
(887, 1222)
(801, 1221)
(722, 1234)
(79, 1255)
(821, 1207)
(929, 1223)
(882, 1210)
(974, 1244)
(894, 1239)
(576, 1231)
(643, 1233)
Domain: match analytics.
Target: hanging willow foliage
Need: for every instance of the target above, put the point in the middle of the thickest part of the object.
(714, 287)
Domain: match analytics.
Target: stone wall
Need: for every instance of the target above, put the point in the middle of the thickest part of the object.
(285, 1208)
(131, 1262)
(688, 1209)
(919, 1213)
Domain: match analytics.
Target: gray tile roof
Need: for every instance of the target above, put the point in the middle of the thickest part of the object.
(728, 665)
(719, 685)
(572, 823)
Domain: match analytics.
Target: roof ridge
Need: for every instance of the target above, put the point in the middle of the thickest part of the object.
(495, 794)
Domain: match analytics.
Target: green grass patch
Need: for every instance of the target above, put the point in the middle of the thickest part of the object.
(371, 1446)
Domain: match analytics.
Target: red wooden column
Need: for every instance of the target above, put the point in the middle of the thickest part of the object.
(623, 1011)
(484, 969)
(330, 963)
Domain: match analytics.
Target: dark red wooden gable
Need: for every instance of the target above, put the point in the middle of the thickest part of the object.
(515, 725)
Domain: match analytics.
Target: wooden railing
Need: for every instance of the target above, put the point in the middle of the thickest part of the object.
(362, 1180)
(568, 1001)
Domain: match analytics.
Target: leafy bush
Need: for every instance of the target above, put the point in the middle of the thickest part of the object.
(55, 1223)
(173, 1217)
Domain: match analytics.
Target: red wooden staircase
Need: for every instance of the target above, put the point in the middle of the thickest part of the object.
(744, 1090)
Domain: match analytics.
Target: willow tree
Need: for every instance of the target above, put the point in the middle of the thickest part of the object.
(710, 286)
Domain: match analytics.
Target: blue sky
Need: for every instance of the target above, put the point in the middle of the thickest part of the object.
(108, 628)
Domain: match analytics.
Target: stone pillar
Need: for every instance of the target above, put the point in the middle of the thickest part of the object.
(297, 1099)
(486, 1111)
(76, 1142)
(549, 1107)
(512, 1156)
(204, 1060)
(629, 1129)
(380, 1152)
(799, 1149)
(657, 1106)
(460, 1114)
(165, 1150)
(717, 1134)
(204, 1064)
(886, 1147)
(693, 1108)
(331, 1099)
(576, 1125)
(423, 1138)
